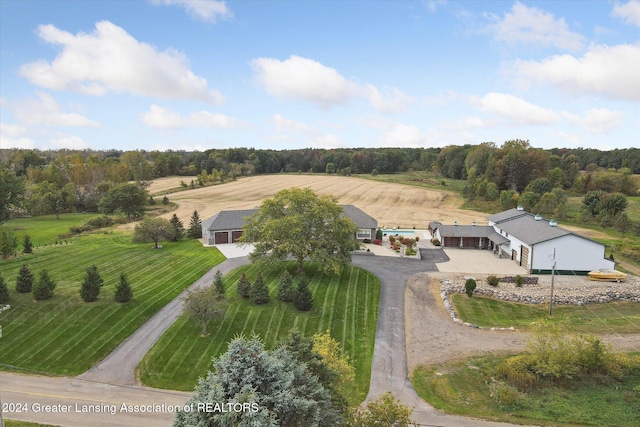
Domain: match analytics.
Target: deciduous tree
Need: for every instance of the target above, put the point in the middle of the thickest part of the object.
(46, 197)
(11, 192)
(8, 243)
(334, 357)
(202, 305)
(129, 199)
(152, 229)
(384, 412)
(297, 222)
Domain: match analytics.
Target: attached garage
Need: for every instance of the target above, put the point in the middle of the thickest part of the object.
(451, 242)
(470, 242)
(221, 237)
(235, 235)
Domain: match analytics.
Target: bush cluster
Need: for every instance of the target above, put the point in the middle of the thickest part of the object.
(493, 280)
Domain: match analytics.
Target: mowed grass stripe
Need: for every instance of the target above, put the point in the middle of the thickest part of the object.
(343, 305)
(65, 335)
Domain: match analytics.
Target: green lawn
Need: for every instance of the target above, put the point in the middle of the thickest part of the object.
(65, 335)
(463, 388)
(346, 305)
(616, 318)
(44, 230)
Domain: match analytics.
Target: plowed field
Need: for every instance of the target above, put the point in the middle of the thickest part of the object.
(391, 204)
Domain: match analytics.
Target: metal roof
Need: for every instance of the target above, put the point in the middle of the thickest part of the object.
(530, 231)
(506, 215)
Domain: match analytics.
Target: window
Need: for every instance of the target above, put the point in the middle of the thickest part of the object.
(364, 233)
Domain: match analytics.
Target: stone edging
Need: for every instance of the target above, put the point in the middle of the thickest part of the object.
(571, 295)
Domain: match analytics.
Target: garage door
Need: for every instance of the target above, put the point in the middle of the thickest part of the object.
(221, 237)
(451, 242)
(524, 256)
(235, 235)
(470, 242)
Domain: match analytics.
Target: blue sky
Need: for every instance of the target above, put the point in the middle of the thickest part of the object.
(194, 75)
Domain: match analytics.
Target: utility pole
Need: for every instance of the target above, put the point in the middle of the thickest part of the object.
(553, 273)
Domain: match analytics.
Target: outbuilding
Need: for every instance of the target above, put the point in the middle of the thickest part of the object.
(531, 241)
(226, 226)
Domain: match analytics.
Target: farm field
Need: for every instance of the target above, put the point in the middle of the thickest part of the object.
(392, 204)
(64, 335)
(346, 305)
(616, 318)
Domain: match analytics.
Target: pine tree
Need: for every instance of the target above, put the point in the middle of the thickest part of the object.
(123, 290)
(286, 292)
(43, 288)
(165, 200)
(195, 226)
(4, 292)
(218, 284)
(91, 285)
(259, 291)
(177, 227)
(24, 281)
(27, 245)
(244, 286)
(304, 298)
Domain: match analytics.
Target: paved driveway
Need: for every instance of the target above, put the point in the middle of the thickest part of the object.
(475, 261)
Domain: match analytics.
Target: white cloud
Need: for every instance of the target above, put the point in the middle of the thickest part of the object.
(596, 120)
(283, 124)
(516, 110)
(45, 110)
(110, 59)
(206, 10)
(160, 117)
(629, 12)
(303, 79)
(393, 101)
(530, 25)
(326, 141)
(69, 141)
(611, 71)
(15, 136)
(401, 135)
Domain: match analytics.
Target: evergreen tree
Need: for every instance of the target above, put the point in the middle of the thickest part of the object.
(123, 290)
(259, 291)
(43, 288)
(24, 281)
(286, 293)
(244, 286)
(8, 244)
(91, 285)
(218, 284)
(165, 200)
(177, 227)
(4, 292)
(195, 226)
(304, 298)
(27, 245)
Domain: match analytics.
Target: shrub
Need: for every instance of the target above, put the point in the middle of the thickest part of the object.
(377, 242)
(100, 222)
(435, 242)
(519, 281)
(165, 200)
(505, 394)
(374, 172)
(392, 239)
(43, 288)
(24, 281)
(407, 242)
(493, 280)
(304, 298)
(379, 234)
(366, 241)
(152, 201)
(286, 293)
(91, 284)
(259, 292)
(417, 238)
(244, 286)
(123, 291)
(469, 287)
(4, 292)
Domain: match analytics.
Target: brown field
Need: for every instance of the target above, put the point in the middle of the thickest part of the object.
(391, 204)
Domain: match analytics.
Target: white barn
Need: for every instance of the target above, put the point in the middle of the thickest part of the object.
(530, 241)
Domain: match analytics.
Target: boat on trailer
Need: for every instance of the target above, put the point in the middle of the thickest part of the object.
(607, 275)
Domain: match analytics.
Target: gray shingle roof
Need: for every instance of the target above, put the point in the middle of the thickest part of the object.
(234, 219)
(465, 230)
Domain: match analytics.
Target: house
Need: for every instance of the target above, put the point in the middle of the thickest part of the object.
(530, 241)
(226, 226)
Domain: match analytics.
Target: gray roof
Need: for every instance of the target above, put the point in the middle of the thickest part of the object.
(234, 219)
(465, 230)
(530, 231)
(228, 220)
(506, 215)
(357, 215)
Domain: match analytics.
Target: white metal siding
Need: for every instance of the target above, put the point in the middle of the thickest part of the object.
(572, 253)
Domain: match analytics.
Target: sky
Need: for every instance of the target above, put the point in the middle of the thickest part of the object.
(197, 75)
